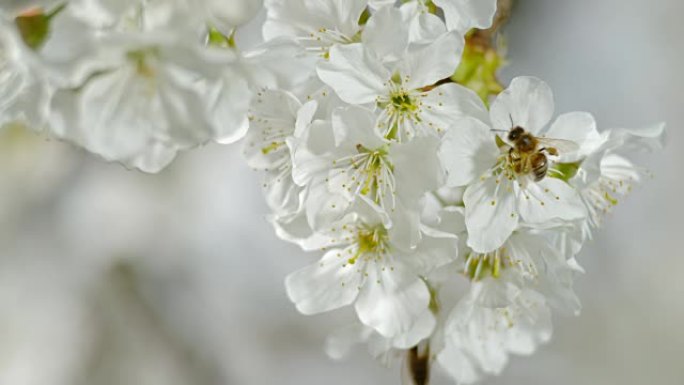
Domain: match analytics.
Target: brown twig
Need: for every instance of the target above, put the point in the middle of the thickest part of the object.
(419, 365)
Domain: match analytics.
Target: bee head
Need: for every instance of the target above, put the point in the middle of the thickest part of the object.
(515, 133)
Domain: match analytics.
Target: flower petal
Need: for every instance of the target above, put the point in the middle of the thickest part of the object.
(385, 36)
(580, 128)
(549, 201)
(356, 76)
(527, 102)
(323, 286)
(491, 213)
(340, 342)
(462, 15)
(426, 64)
(467, 151)
(392, 300)
(417, 169)
(447, 104)
(355, 125)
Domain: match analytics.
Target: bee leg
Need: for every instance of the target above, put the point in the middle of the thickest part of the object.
(550, 150)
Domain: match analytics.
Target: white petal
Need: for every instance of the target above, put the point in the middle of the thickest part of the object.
(281, 192)
(421, 330)
(340, 343)
(433, 253)
(649, 138)
(227, 17)
(356, 76)
(392, 301)
(580, 128)
(404, 228)
(385, 36)
(425, 28)
(548, 201)
(427, 64)
(462, 15)
(323, 286)
(457, 363)
(445, 105)
(265, 68)
(491, 213)
(417, 169)
(310, 152)
(377, 4)
(527, 102)
(325, 207)
(355, 125)
(227, 102)
(467, 151)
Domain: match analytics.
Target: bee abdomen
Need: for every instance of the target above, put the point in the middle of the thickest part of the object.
(540, 165)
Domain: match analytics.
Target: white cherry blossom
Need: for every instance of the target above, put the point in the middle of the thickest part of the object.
(507, 310)
(606, 175)
(396, 76)
(343, 161)
(273, 119)
(149, 97)
(502, 191)
(374, 268)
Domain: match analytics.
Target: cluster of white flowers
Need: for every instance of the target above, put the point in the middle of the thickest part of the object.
(441, 220)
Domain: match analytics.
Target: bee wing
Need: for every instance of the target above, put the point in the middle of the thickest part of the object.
(563, 146)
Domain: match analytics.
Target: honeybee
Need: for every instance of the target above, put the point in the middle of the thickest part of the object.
(528, 153)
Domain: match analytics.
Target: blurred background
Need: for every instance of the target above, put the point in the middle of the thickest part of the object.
(111, 277)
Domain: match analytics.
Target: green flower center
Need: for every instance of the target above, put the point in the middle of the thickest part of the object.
(141, 60)
(402, 102)
(371, 244)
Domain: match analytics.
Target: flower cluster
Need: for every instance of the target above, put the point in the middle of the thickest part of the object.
(445, 218)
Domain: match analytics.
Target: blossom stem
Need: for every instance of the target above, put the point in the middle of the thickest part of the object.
(418, 364)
